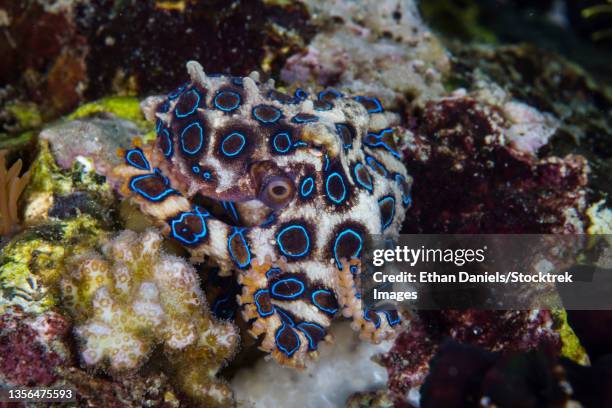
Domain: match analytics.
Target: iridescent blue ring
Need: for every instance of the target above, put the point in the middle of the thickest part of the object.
(239, 149)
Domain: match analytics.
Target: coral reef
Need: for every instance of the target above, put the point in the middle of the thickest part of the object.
(51, 79)
(11, 187)
(379, 48)
(408, 360)
(53, 48)
(130, 298)
(272, 189)
(581, 104)
(461, 141)
(463, 375)
(57, 193)
(31, 347)
(32, 263)
(92, 141)
(35, 351)
(288, 182)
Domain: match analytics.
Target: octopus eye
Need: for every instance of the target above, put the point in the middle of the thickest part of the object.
(277, 192)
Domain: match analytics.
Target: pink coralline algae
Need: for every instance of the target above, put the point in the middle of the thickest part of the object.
(469, 178)
(408, 361)
(31, 348)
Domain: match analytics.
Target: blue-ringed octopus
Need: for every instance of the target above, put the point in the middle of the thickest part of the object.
(281, 190)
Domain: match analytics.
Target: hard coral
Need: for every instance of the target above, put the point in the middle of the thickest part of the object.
(132, 296)
(11, 187)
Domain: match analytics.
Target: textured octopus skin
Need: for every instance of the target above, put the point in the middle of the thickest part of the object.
(281, 190)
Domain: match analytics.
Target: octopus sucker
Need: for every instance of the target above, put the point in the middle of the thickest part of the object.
(280, 190)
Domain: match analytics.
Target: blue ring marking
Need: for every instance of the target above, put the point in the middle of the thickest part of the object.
(231, 210)
(256, 299)
(269, 221)
(158, 125)
(376, 165)
(367, 318)
(195, 169)
(138, 152)
(236, 152)
(311, 343)
(195, 105)
(307, 187)
(165, 107)
(166, 134)
(390, 220)
(289, 353)
(356, 254)
(177, 92)
(231, 108)
(280, 245)
(287, 138)
(326, 158)
(313, 297)
(354, 269)
(378, 108)
(335, 199)
(379, 142)
(237, 81)
(328, 106)
(399, 179)
(392, 321)
(300, 94)
(297, 119)
(206, 175)
(300, 144)
(273, 271)
(156, 173)
(323, 93)
(197, 237)
(273, 120)
(368, 186)
(286, 317)
(340, 126)
(293, 295)
(197, 149)
(238, 231)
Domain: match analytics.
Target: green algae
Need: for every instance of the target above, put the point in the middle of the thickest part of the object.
(124, 107)
(570, 344)
(47, 177)
(33, 262)
(27, 115)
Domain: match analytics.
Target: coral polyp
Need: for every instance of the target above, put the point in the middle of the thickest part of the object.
(281, 188)
(131, 297)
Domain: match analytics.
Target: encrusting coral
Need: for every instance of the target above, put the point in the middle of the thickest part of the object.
(11, 187)
(132, 296)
